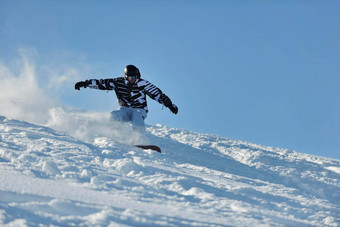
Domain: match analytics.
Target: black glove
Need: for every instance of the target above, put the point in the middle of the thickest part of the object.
(172, 107)
(80, 84)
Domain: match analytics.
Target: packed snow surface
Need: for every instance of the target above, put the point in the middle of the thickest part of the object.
(56, 177)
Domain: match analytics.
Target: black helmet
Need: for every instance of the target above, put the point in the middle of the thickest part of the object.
(131, 70)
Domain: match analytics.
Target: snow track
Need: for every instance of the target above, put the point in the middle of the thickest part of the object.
(47, 177)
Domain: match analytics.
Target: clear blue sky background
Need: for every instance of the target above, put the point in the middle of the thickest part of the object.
(262, 71)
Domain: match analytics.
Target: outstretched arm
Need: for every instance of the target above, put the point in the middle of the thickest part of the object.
(106, 84)
(156, 94)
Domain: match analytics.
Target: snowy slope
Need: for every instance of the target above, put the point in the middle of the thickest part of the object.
(48, 177)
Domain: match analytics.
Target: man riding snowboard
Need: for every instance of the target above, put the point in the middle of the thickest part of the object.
(131, 91)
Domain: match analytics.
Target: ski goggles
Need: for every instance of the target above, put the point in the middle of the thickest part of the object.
(131, 77)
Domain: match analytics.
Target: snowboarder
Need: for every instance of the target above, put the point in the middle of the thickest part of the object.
(131, 91)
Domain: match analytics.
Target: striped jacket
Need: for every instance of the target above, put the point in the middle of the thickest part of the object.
(130, 95)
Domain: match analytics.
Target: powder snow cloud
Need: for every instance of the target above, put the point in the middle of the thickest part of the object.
(30, 92)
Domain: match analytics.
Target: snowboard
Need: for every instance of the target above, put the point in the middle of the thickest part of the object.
(149, 147)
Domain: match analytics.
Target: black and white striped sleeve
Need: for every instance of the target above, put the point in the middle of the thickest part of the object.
(155, 93)
(101, 84)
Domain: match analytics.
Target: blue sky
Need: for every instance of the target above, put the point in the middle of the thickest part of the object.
(265, 72)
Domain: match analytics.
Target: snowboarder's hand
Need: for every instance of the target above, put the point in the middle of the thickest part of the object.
(173, 108)
(80, 84)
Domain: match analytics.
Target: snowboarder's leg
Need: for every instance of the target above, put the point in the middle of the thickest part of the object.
(137, 120)
(122, 114)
